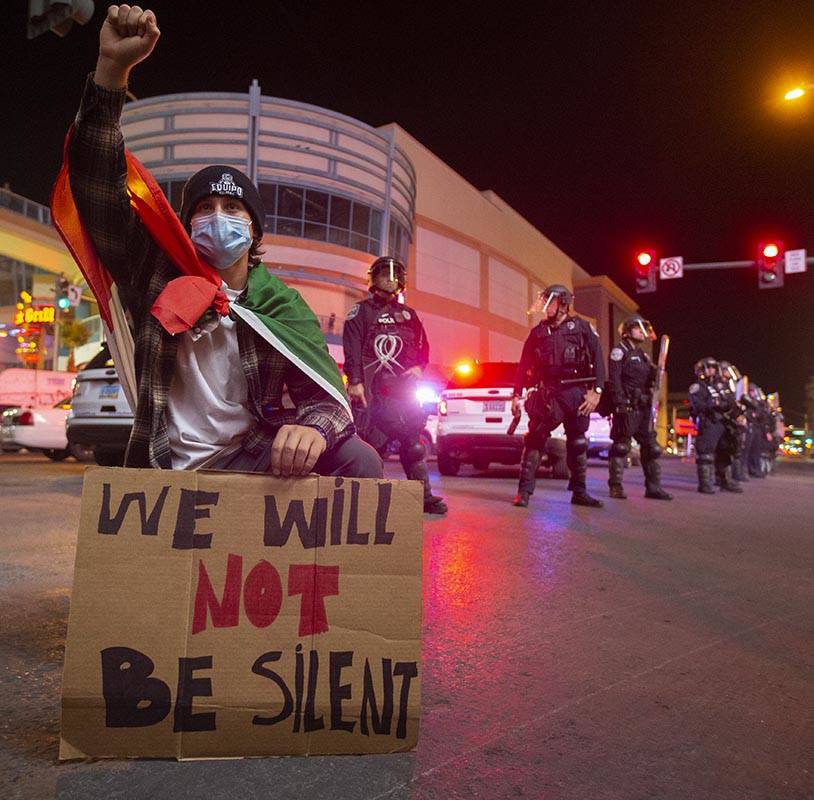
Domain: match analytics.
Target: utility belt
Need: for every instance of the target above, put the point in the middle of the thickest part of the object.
(638, 398)
(399, 386)
(539, 397)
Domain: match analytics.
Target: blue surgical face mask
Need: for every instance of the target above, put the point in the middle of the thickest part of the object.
(221, 239)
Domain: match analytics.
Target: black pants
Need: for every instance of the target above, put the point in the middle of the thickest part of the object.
(400, 417)
(756, 449)
(351, 458)
(709, 436)
(716, 444)
(636, 424)
(558, 407)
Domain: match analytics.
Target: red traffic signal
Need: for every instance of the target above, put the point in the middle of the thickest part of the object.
(770, 258)
(645, 265)
(645, 258)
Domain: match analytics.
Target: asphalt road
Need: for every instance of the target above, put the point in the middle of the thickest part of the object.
(644, 650)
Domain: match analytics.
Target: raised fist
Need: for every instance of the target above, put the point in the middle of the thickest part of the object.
(128, 36)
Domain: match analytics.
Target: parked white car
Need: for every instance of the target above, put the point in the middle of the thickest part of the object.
(42, 429)
(100, 419)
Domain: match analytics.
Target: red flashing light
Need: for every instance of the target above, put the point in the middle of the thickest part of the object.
(644, 258)
(26, 418)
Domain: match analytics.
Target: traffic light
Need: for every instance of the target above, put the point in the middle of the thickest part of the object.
(57, 15)
(645, 264)
(770, 256)
(63, 283)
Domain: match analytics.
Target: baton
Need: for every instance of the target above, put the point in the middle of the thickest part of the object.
(572, 381)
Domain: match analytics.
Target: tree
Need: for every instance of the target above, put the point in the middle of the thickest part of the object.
(73, 334)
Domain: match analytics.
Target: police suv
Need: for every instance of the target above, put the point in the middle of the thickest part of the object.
(474, 414)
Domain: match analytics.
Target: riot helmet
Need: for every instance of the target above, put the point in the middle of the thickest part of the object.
(636, 321)
(701, 367)
(394, 271)
(729, 372)
(562, 293)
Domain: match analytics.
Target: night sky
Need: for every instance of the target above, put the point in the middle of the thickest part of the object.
(608, 125)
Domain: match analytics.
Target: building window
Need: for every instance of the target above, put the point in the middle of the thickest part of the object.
(324, 217)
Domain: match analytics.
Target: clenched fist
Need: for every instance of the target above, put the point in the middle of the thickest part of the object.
(128, 36)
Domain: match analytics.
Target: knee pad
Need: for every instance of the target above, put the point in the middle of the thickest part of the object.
(651, 452)
(413, 452)
(705, 458)
(619, 449)
(577, 445)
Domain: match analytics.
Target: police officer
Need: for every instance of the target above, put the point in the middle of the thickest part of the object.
(386, 350)
(631, 378)
(708, 405)
(562, 361)
(733, 442)
(760, 419)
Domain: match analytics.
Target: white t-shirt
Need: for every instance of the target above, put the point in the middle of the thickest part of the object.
(207, 407)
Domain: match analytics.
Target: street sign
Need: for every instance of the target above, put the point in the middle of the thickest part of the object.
(684, 427)
(671, 268)
(795, 261)
(74, 294)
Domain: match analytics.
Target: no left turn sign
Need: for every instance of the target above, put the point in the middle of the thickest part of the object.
(671, 268)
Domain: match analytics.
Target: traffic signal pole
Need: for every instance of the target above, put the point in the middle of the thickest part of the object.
(732, 264)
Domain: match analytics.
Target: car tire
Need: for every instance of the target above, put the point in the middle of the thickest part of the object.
(447, 465)
(559, 469)
(108, 458)
(56, 455)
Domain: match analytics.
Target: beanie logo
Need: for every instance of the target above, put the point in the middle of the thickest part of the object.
(226, 185)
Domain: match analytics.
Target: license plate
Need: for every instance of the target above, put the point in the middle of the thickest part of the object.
(109, 392)
(494, 405)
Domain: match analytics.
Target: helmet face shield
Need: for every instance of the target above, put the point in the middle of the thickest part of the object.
(391, 268)
(704, 364)
(646, 329)
(639, 323)
(730, 372)
(547, 296)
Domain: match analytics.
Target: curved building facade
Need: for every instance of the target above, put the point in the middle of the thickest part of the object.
(338, 193)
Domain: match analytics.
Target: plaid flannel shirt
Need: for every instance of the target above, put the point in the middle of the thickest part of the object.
(98, 176)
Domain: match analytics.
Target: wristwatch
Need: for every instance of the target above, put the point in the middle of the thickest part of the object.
(598, 389)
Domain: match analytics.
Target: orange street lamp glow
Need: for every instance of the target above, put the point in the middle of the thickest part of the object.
(794, 94)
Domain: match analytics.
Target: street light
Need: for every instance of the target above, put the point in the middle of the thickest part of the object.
(797, 92)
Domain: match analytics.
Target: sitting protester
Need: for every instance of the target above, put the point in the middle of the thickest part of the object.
(218, 340)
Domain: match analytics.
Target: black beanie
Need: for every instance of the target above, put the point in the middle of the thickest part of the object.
(226, 182)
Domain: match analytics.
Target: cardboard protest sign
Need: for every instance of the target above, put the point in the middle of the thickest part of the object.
(227, 614)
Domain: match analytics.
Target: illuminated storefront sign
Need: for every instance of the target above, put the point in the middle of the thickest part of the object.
(29, 315)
